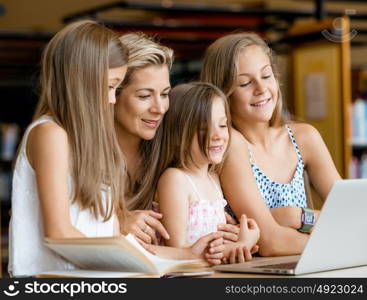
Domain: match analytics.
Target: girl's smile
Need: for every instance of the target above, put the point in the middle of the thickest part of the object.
(255, 95)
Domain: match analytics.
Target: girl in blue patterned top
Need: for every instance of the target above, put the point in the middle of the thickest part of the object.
(263, 173)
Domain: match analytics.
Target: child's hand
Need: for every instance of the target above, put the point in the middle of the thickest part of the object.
(247, 238)
(249, 232)
(237, 254)
(214, 252)
(230, 232)
(209, 247)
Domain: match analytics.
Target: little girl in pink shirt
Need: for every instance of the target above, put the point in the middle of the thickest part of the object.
(194, 145)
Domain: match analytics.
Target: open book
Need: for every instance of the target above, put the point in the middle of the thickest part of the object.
(120, 256)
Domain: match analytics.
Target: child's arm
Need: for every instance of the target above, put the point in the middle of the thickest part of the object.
(246, 198)
(173, 197)
(316, 157)
(199, 250)
(48, 154)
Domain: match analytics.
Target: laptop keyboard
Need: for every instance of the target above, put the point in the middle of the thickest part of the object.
(285, 266)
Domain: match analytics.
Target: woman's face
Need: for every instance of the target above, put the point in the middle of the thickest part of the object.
(218, 139)
(140, 107)
(256, 89)
(115, 77)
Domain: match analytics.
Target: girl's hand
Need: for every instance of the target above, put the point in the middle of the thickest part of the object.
(230, 229)
(249, 232)
(214, 252)
(143, 224)
(237, 254)
(248, 236)
(209, 247)
(230, 232)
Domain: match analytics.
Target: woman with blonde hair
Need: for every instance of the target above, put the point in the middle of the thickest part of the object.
(141, 103)
(262, 176)
(68, 180)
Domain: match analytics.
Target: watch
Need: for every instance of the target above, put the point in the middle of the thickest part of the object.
(307, 219)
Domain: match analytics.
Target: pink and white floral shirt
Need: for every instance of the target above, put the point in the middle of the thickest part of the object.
(204, 214)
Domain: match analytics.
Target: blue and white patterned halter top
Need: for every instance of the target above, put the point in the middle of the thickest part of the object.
(277, 194)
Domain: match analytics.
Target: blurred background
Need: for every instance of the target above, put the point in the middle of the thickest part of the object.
(321, 48)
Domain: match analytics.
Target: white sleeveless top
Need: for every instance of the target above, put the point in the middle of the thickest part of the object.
(27, 254)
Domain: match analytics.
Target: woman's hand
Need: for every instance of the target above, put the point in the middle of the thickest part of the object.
(144, 224)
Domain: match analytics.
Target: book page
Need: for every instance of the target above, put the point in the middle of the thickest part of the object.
(101, 257)
(163, 264)
(122, 253)
(89, 274)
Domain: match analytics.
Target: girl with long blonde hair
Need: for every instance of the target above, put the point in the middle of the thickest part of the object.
(68, 180)
(262, 176)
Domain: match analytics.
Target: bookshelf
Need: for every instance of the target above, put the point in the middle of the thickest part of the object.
(322, 86)
(19, 61)
(358, 164)
(5, 181)
(9, 137)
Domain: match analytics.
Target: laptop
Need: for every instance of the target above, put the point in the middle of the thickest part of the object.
(338, 239)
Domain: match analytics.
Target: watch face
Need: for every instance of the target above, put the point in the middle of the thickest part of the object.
(308, 219)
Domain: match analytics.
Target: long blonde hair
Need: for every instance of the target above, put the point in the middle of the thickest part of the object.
(74, 91)
(220, 66)
(144, 51)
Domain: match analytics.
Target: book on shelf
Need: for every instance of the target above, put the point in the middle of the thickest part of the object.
(118, 256)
